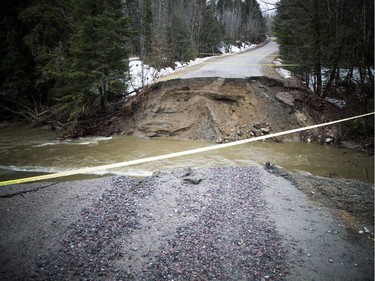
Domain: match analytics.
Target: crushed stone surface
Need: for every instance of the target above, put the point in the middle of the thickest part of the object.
(234, 223)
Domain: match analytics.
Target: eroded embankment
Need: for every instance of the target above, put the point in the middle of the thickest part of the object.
(222, 110)
(228, 109)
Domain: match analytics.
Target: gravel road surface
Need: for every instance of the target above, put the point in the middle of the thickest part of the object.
(239, 223)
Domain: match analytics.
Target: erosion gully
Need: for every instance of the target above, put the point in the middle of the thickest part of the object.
(29, 151)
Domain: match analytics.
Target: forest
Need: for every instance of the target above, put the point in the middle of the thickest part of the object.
(332, 41)
(66, 60)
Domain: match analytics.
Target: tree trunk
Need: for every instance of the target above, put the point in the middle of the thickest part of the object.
(317, 49)
(332, 76)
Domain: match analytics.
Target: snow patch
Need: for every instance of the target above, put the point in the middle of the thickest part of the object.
(224, 48)
(340, 104)
(343, 73)
(140, 74)
(286, 74)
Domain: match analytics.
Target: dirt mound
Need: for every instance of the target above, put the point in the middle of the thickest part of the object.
(227, 109)
(217, 109)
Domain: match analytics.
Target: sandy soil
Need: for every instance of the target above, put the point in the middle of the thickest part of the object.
(246, 223)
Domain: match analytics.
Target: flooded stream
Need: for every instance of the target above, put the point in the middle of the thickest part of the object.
(28, 151)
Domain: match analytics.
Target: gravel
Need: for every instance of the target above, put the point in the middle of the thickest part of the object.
(233, 223)
(183, 225)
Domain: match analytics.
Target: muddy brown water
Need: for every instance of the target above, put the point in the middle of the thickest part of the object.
(29, 151)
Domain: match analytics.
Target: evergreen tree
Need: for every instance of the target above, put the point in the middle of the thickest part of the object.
(72, 55)
(331, 34)
(50, 30)
(293, 26)
(95, 69)
(180, 36)
(147, 24)
(17, 63)
(212, 32)
(140, 15)
(133, 13)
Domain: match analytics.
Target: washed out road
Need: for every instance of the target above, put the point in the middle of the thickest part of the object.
(241, 65)
(231, 223)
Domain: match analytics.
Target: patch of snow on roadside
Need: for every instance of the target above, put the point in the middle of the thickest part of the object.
(340, 104)
(283, 72)
(224, 48)
(140, 74)
(178, 64)
(343, 73)
(165, 71)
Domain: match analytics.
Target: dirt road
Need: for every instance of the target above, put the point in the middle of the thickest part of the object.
(212, 224)
(246, 64)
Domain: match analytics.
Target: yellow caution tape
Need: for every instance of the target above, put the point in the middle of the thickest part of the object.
(171, 155)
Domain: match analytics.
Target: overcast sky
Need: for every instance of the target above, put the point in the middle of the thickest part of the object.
(267, 4)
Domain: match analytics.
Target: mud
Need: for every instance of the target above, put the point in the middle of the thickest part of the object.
(214, 109)
(229, 109)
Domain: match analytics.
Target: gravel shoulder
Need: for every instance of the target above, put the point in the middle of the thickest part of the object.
(321, 243)
(235, 223)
